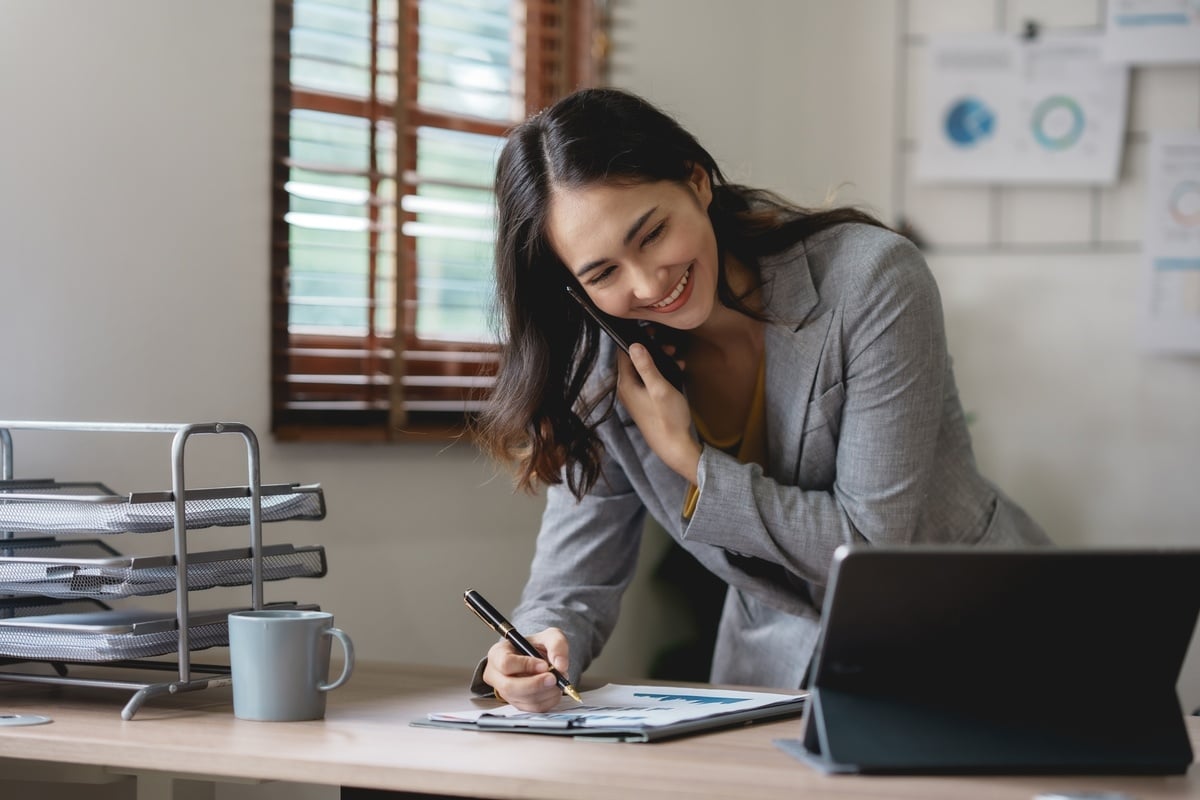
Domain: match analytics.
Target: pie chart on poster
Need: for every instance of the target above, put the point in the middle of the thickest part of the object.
(969, 121)
(1185, 203)
(1058, 122)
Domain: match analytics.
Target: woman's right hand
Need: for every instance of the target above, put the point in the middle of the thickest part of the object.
(659, 410)
(527, 682)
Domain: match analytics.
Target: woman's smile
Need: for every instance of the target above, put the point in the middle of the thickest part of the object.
(676, 297)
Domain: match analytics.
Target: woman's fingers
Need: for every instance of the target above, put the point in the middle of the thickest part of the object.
(552, 642)
(524, 681)
(659, 410)
(646, 368)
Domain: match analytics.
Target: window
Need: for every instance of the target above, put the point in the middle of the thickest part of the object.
(388, 117)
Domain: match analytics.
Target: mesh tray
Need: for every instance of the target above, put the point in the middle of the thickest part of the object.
(12, 607)
(39, 511)
(36, 546)
(107, 636)
(47, 486)
(51, 486)
(59, 572)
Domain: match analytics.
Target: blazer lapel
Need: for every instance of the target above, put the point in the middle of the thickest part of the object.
(793, 351)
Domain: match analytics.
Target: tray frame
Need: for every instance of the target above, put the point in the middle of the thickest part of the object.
(186, 678)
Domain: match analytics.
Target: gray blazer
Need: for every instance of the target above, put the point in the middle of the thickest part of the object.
(866, 442)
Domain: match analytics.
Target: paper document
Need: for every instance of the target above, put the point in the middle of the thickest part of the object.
(616, 706)
(1152, 31)
(1004, 110)
(1170, 313)
(105, 514)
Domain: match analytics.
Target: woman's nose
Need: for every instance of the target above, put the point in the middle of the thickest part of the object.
(648, 283)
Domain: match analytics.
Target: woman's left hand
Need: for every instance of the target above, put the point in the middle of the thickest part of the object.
(659, 410)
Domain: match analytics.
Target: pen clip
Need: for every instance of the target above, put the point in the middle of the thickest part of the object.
(479, 614)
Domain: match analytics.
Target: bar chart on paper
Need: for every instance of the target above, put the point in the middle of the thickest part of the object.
(697, 699)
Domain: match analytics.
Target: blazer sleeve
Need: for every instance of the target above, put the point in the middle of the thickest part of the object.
(893, 364)
(585, 558)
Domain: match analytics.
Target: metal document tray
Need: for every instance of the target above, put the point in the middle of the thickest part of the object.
(50, 485)
(40, 511)
(11, 607)
(62, 569)
(35, 546)
(108, 636)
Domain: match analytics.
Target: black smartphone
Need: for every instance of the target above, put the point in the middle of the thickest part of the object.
(626, 332)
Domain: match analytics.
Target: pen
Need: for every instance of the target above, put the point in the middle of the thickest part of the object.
(496, 621)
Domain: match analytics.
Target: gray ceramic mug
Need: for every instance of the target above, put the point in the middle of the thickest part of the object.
(280, 663)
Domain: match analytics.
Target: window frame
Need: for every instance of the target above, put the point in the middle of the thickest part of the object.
(564, 49)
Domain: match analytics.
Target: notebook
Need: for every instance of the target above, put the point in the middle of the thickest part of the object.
(987, 661)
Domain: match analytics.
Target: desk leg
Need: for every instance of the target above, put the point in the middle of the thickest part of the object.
(164, 786)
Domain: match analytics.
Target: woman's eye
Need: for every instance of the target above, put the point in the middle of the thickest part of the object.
(603, 276)
(654, 234)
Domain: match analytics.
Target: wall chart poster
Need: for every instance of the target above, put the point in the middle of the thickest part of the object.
(1171, 244)
(999, 108)
(1153, 31)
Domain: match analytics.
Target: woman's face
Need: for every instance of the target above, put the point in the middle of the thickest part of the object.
(641, 251)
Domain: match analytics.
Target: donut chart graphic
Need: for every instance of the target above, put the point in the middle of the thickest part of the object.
(1058, 122)
(1184, 204)
(969, 121)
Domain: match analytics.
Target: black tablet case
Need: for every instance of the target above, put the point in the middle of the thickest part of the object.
(984, 661)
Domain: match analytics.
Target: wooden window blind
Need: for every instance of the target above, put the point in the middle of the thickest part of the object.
(388, 116)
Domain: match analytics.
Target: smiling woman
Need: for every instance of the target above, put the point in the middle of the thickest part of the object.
(818, 406)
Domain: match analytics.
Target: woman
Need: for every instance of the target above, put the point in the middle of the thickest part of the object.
(819, 405)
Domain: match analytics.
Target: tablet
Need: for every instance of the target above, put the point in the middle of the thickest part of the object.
(988, 661)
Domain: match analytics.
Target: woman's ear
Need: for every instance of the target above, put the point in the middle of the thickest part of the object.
(701, 184)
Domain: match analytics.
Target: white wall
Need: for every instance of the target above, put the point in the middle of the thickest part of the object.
(133, 272)
(1099, 441)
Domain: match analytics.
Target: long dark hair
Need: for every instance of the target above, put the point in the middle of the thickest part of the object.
(537, 419)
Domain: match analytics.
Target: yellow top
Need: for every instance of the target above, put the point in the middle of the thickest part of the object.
(749, 447)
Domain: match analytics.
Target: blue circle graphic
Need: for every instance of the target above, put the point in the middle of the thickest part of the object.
(1057, 122)
(969, 121)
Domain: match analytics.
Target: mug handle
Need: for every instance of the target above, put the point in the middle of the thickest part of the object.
(347, 666)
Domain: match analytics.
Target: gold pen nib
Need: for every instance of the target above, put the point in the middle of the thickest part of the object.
(569, 689)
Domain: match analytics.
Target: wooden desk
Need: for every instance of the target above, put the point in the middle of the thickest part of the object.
(366, 741)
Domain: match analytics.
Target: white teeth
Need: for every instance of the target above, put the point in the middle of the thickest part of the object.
(671, 298)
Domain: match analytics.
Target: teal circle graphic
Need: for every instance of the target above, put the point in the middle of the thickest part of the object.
(1057, 122)
(969, 121)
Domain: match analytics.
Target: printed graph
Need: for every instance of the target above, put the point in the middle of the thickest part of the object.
(691, 698)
